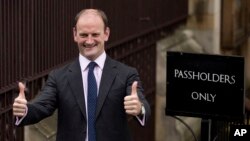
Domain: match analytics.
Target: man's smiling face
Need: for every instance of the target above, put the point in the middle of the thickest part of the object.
(91, 35)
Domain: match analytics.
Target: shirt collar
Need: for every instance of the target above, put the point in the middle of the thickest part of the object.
(84, 62)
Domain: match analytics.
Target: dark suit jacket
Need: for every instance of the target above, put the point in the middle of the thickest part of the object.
(64, 91)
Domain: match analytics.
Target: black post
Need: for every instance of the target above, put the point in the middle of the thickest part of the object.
(206, 125)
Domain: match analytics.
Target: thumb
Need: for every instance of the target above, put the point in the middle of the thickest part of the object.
(21, 90)
(134, 88)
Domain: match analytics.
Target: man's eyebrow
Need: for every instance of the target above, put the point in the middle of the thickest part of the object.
(82, 33)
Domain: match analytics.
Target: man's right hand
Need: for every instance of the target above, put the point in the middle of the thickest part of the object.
(20, 103)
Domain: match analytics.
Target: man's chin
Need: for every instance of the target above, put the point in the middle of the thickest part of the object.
(90, 55)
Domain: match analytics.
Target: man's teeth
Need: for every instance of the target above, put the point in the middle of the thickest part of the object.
(89, 46)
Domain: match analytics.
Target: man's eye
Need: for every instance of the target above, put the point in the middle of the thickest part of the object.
(95, 35)
(83, 35)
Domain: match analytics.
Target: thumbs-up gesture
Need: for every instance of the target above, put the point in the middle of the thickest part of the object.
(20, 103)
(132, 104)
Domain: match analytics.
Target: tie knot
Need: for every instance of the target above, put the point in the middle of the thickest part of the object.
(92, 65)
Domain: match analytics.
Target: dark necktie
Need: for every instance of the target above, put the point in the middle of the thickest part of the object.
(92, 96)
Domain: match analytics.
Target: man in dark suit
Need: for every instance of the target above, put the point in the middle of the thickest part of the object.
(116, 86)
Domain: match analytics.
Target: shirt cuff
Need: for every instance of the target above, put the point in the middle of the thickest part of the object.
(141, 119)
(18, 119)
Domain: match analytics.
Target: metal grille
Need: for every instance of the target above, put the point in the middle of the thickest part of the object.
(140, 52)
(219, 130)
(34, 39)
(32, 33)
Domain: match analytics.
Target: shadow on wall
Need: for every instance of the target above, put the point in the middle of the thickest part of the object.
(200, 9)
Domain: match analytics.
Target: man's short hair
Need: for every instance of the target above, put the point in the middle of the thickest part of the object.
(98, 12)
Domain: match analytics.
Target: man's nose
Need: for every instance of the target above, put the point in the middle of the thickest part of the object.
(89, 40)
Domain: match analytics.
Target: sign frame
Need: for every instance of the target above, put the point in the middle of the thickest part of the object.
(204, 85)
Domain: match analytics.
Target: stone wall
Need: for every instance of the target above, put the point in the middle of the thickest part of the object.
(204, 21)
(45, 130)
(168, 128)
(203, 36)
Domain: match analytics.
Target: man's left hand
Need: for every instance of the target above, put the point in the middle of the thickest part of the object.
(132, 104)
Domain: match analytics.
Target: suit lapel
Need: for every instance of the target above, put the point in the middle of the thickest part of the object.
(75, 82)
(108, 76)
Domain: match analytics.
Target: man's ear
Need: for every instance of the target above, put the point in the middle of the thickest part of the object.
(107, 33)
(75, 34)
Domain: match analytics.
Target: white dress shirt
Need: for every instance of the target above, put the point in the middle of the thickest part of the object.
(84, 62)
